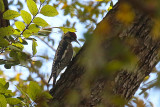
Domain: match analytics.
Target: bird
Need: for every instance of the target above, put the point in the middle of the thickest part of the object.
(63, 55)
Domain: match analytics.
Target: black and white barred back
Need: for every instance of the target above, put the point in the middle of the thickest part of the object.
(63, 55)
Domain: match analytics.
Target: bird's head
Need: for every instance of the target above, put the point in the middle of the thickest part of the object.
(70, 37)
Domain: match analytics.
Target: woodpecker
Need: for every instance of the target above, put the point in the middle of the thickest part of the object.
(63, 55)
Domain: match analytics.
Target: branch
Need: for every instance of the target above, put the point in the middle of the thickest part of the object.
(30, 22)
(46, 43)
(92, 75)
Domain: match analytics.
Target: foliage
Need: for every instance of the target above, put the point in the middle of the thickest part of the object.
(33, 94)
(15, 39)
(12, 43)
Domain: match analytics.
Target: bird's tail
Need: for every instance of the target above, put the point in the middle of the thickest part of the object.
(50, 77)
(54, 78)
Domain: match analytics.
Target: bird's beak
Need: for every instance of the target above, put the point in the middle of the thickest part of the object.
(77, 42)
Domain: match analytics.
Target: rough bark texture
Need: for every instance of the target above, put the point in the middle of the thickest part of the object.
(3, 22)
(146, 49)
(123, 83)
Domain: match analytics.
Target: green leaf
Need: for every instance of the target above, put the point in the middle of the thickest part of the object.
(10, 14)
(34, 90)
(13, 54)
(14, 48)
(30, 38)
(2, 81)
(13, 101)
(20, 25)
(10, 63)
(6, 86)
(47, 95)
(22, 57)
(17, 32)
(2, 88)
(42, 1)
(3, 42)
(4, 31)
(65, 30)
(34, 45)
(27, 33)
(32, 7)
(76, 50)
(20, 39)
(40, 22)
(26, 16)
(24, 42)
(3, 102)
(23, 93)
(33, 28)
(49, 10)
(9, 93)
(18, 45)
(2, 9)
(38, 64)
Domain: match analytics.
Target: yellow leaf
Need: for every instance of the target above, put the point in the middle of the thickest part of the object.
(64, 6)
(3, 42)
(17, 32)
(26, 16)
(20, 25)
(3, 101)
(110, 7)
(18, 45)
(42, 1)
(4, 31)
(40, 22)
(27, 33)
(18, 76)
(146, 78)
(65, 30)
(34, 45)
(49, 10)
(34, 90)
(10, 14)
(13, 101)
(32, 7)
(20, 39)
(33, 28)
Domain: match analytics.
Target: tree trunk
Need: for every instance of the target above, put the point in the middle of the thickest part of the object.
(89, 80)
(3, 22)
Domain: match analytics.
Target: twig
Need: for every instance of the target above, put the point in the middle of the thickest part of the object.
(46, 43)
(39, 75)
(30, 22)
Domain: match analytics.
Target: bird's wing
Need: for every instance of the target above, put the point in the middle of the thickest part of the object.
(58, 56)
(60, 52)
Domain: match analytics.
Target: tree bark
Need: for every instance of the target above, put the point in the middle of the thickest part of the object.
(91, 85)
(3, 22)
